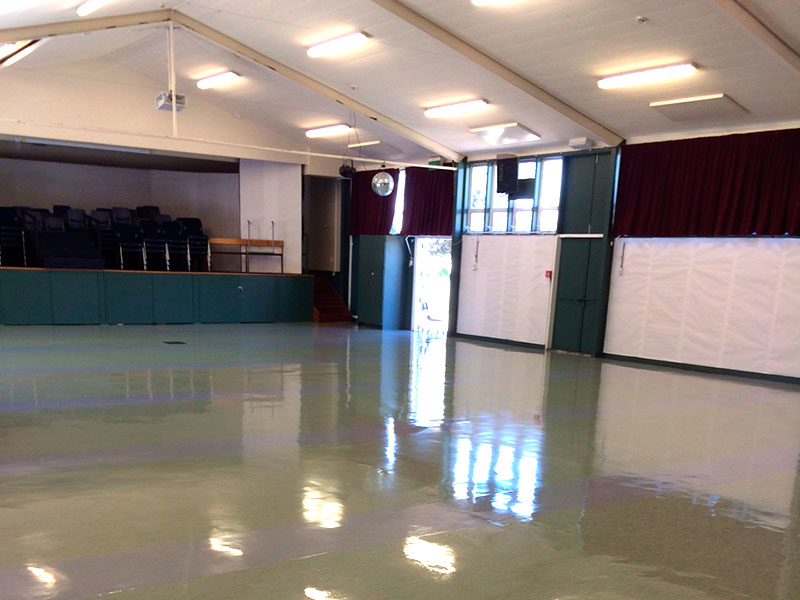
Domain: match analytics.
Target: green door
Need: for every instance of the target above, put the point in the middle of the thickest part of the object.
(578, 193)
(258, 299)
(372, 250)
(219, 298)
(584, 262)
(571, 295)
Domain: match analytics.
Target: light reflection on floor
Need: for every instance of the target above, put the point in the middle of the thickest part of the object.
(328, 462)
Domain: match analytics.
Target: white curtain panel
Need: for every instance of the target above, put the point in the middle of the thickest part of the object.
(732, 303)
(504, 293)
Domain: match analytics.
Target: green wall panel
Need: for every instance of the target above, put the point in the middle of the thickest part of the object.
(295, 299)
(76, 298)
(576, 212)
(33, 297)
(583, 274)
(129, 298)
(259, 299)
(173, 298)
(220, 298)
(26, 298)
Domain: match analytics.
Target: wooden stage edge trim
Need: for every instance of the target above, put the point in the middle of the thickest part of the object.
(112, 271)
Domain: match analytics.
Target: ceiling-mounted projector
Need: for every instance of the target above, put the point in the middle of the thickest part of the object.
(164, 101)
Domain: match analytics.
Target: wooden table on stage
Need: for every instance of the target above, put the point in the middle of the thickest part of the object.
(248, 248)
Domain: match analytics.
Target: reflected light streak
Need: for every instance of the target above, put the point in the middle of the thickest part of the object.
(461, 469)
(315, 594)
(391, 443)
(481, 473)
(321, 509)
(526, 488)
(504, 470)
(219, 545)
(437, 558)
(43, 576)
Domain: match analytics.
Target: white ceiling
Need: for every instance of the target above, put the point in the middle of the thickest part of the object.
(563, 46)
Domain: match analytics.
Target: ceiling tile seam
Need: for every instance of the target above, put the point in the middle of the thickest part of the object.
(499, 69)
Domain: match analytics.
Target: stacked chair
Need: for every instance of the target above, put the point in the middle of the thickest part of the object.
(108, 238)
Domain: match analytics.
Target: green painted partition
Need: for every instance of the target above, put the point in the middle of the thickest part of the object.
(129, 298)
(173, 298)
(584, 262)
(62, 297)
(25, 298)
(76, 298)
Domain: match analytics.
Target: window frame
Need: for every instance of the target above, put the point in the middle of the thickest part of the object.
(512, 211)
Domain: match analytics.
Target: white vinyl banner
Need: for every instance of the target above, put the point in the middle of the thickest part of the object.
(731, 303)
(504, 293)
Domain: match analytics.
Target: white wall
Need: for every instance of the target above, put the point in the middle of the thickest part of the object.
(212, 197)
(732, 303)
(272, 192)
(503, 292)
(61, 104)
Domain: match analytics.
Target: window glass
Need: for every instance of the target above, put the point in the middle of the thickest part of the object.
(399, 203)
(478, 179)
(500, 201)
(523, 219)
(499, 220)
(550, 192)
(523, 203)
(548, 220)
(476, 221)
(527, 170)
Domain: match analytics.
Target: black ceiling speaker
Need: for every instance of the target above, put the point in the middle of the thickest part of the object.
(507, 171)
(347, 171)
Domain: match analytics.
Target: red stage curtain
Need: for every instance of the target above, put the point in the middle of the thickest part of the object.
(371, 214)
(429, 202)
(730, 185)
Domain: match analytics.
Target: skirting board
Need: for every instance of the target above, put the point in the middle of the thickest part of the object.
(498, 342)
(703, 369)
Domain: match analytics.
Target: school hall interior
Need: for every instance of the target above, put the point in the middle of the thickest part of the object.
(366, 299)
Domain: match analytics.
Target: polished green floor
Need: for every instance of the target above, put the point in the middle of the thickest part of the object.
(303, 462)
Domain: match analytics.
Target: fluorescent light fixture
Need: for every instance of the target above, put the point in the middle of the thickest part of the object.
(456, 110)
(363, 144)
(217, 80)
(10, 6)
(339, 45)
(7, 50)
(647, 76)
(490, 2)
(330, 131)
(20, 54)
(687, 100)
(88, 7)
(506, 133)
